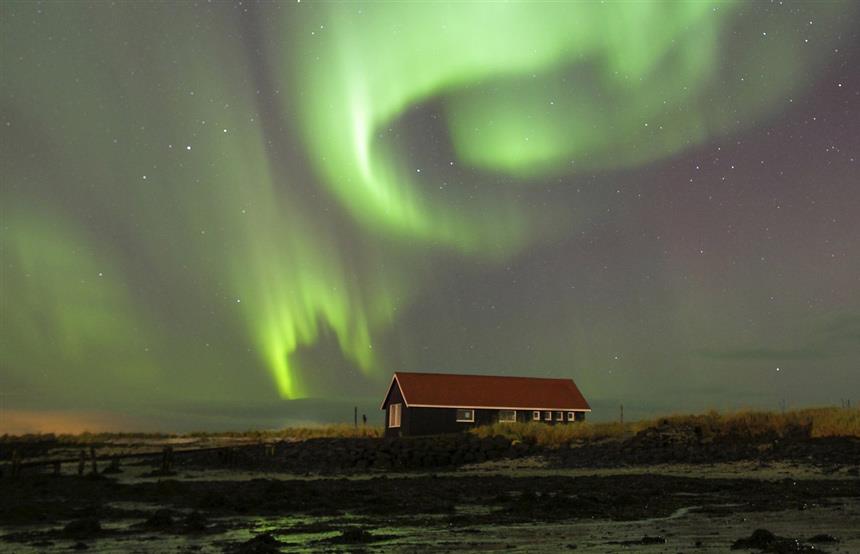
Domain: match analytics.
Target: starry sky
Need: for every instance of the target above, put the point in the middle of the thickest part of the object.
(230, 215)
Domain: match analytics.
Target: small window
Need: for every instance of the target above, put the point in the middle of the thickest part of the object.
(571, 416)
(507, 416)
(394, 415)
(465, 415)
(559, 416)
(547, 416)
(536, 415)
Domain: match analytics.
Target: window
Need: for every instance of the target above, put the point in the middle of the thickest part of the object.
(547, 416)
(465, 415)
(507, 416)
(571, 416)
(536, 415)
(559, 416)
(394, 415)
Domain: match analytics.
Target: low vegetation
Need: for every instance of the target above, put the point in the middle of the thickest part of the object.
(290, 433)
(341, 430)
(746, 424)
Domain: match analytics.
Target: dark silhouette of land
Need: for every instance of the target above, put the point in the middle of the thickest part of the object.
(692, 483)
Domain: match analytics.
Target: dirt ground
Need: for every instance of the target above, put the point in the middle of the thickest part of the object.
(534, 502)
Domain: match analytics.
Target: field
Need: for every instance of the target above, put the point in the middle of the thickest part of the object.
(693, 483)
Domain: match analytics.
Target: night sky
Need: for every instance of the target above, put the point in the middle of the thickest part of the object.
(233, 215)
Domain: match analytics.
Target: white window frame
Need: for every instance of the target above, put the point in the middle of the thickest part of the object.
(514, 420)
(559, 416)
(536, 415)
(463, 420)
(395, 413)
(571, 416)
(547, 416)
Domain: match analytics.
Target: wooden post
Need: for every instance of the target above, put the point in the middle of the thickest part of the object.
(93, 459)
(82, 463)
(355, 417)
(166, 459)
(16, 463)
(622, 415)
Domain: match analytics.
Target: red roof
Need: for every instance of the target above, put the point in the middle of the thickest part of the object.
(486, 391)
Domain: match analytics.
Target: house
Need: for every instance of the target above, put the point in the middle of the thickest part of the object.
(431, 403)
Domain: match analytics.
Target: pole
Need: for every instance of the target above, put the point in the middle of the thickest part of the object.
(355, 417)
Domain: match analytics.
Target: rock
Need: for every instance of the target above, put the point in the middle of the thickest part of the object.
(355, 535)
(760, 538)
(645, 540)
(161, 519)
(85, 527)
(823, 537)
(764, 540)
(195, 522)
(261, 544)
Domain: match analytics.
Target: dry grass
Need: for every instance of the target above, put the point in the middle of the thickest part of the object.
(291, 433)
(745, 424)
(554, 436)
(342, 430)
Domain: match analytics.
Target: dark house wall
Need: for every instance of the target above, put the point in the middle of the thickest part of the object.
(394, 397)
(431, 421)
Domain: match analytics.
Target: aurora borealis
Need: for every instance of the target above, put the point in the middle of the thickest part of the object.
(223, 215)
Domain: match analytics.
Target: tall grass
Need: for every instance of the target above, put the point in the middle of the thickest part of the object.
(745, 424)
(291, 433)
(340, 430)
(813, 422)
(554, 436)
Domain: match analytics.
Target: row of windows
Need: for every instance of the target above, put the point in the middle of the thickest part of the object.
(548, 416)
(466, 415)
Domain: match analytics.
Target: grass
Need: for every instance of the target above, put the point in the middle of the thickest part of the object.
(340, 430)
(745, 424)
(294, 433)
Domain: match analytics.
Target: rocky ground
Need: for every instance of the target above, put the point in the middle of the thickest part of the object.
(663, 490)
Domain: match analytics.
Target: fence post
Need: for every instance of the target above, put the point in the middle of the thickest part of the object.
(16, 463)
(95, 465)
(166, 459)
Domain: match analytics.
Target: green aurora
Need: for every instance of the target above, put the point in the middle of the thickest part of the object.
(207, 204)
